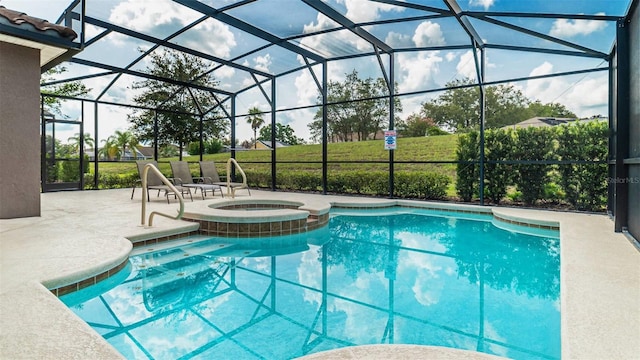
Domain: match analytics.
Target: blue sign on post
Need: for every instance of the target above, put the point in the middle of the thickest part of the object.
(390, 140)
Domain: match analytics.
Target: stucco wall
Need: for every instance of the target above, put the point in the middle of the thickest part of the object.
(19, 131)
(634, 124)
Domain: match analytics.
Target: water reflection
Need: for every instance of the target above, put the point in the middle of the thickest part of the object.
(393, 279)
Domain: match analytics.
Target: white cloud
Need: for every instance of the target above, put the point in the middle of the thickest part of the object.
(397, 40)
(144, 15)
(450, 56)
(584, 96)
(570, 28)
(362, 11)
(306, 89)
(210, 36)
(262, 62)
(486, 4)
(467, 65)
(417, 71)
(428, 34)
(357, 11)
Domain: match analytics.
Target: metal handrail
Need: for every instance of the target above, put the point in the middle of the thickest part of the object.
(166, 181)
(244, 177)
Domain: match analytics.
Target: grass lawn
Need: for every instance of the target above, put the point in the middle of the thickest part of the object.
(341, 156)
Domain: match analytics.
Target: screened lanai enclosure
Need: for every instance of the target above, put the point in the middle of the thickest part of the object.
(292, 61)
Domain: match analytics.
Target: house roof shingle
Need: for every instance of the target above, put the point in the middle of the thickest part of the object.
(22, 20)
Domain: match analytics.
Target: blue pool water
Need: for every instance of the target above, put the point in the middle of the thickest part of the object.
(405, 277)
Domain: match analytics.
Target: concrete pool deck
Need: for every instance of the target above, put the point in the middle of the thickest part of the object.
(82, 234)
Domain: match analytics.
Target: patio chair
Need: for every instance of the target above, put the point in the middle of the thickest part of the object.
(210, 176)
(154, 182)
(182, 176)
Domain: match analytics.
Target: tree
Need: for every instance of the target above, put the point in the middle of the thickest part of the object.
(557, 110)
(458, 108)
(110, 149)
(73, 89)
(284, 134)
(180, 110)
(455, 109)
(415, 126)
(255, 120)
(357, 108)
(126, 140)
(506, 105)
(77, 139)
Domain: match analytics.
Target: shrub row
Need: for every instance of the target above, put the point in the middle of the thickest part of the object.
(422, 185)
(583, 186)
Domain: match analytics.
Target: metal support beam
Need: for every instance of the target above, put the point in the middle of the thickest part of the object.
(81, 145)
(43, 143)
(543, 36)
(480, 72)
(155, 136)
(219, 104)
(547, 51)
(149, 51)
(622, 116)
(264, 93)
(145, 75)
(324, 128)
(201, 137)
(391, 122)
(332, 14)
(464, 22)
(611, 168)
(170, 45)
(313, 74)
(230, 20)
(273, 135)
(95, 146)
(409, 5)
(232, 119)
(384, 71)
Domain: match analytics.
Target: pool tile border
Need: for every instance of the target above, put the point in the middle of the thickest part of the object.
(139, 243)
(522, 222)
(527, 224)
(260, 229)
(67, 289)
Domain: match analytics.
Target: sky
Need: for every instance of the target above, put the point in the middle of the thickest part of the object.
(586, 94)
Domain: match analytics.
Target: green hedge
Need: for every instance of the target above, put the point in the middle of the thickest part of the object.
(582, 186)
(422, 185)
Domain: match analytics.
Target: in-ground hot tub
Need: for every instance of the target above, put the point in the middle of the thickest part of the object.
(257, 218)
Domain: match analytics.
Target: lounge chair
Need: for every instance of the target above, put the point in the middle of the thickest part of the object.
(154, 182)
(210, 176)
(182, 176)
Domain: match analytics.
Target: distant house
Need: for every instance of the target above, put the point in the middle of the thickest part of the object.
(90, 152)
(265, 145)
(539, 121)
(128, 155)
(147, 151)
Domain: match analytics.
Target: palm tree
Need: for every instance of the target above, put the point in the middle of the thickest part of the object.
(255, 120)
(126, 140)
(76, 139)
(110, 149)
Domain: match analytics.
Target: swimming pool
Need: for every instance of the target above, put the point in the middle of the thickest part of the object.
(404, 276)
